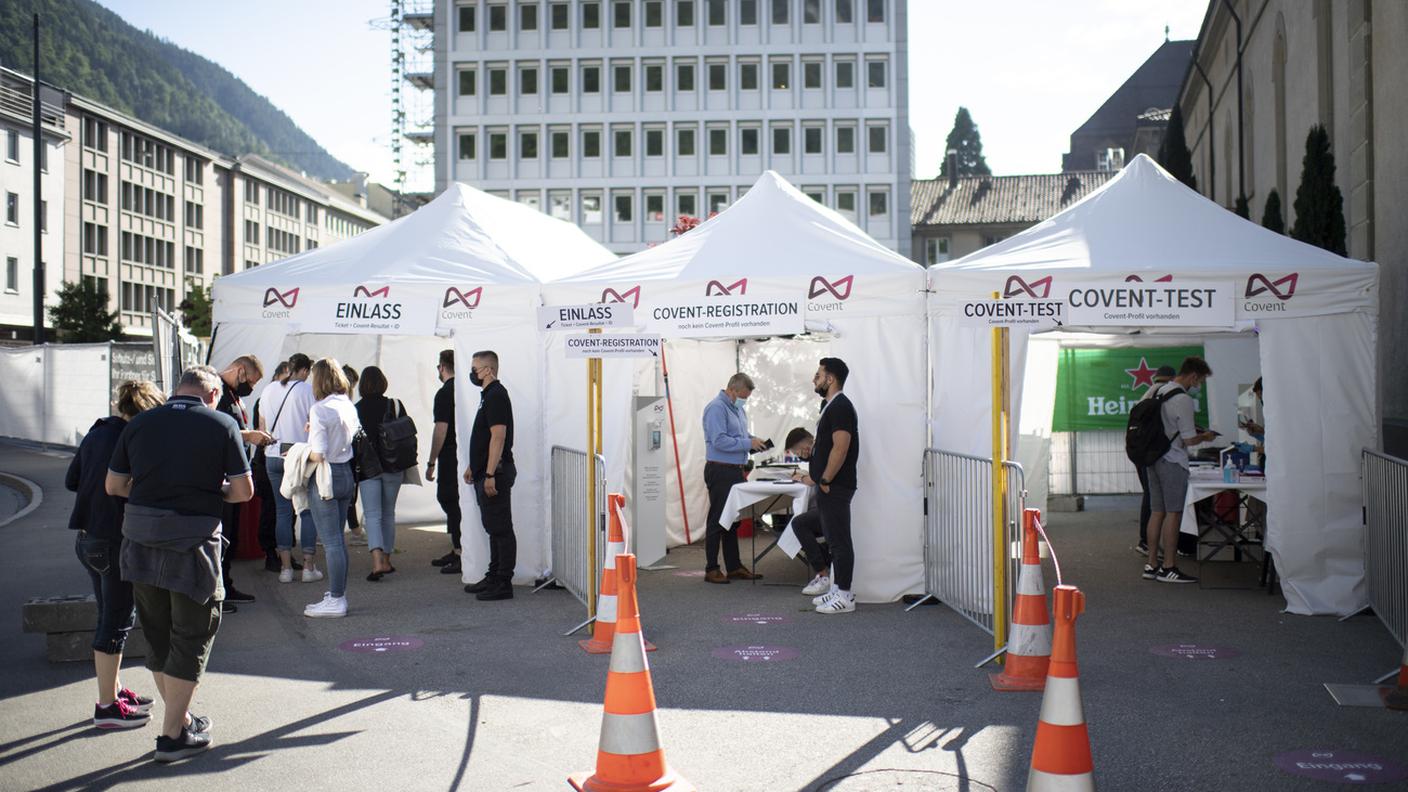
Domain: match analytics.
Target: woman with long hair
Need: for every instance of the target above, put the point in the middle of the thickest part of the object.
(379, 492)
(332, 424)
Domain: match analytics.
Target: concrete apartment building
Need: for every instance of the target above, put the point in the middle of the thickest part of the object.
(17, 194)
(1340, 63)
(620, 115)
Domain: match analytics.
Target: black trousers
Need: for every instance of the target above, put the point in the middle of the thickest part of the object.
(1144, 509)
(447, 491)
(268, 515)
(230, 527)
(834, 510)
(719, 478)
(807, 527)
(497, 515)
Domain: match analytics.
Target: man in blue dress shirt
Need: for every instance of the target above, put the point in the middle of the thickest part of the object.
(727, 444)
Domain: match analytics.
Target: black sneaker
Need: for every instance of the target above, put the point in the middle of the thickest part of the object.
(228, 607)
(199, 723)
(1173, 575)
(498, 590)
(444, 559)
(451, 567)
(1149, 572)
(272, 563)
(171, 749)
(233, 594)
(1142, 549)
(475, 588)
(118, 715)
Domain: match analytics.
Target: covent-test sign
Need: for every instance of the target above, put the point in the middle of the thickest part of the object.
(1039, 304)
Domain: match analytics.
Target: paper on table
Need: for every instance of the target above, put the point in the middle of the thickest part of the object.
(788, 542)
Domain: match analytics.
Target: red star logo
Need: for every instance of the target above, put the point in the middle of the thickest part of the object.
(1143, 375)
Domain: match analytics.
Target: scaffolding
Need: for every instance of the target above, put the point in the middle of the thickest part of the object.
(412, 28)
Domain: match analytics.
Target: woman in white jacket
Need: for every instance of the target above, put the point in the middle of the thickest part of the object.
(332, 423)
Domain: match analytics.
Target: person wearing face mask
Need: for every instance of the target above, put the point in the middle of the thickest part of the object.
(832, 471)
(237, 383)
(726, 447)
(491, 473)
(1168, 476)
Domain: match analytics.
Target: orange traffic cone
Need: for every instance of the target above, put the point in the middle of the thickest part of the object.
(1061, 756)
(1398, 697)
(1029, 642)
(606, 603)
(629, 757)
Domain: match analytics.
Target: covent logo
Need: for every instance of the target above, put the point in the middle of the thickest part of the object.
(1137, 279)
(1281, 290)
(631, 295)
(839, 289)
(458, 304)
(1039, 289)
(286, 299)
(717, 288)
(369, 303)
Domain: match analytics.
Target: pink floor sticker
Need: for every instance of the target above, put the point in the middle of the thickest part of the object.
(1344, 767)
(381, 645)
(757, 654)
(755, 618)
(1190, 651)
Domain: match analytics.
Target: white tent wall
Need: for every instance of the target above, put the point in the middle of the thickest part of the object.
(22, 405)
(1319, 378)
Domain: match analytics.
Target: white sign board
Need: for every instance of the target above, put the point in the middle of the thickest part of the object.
(585, 317)
(1029, 314)
(1173, 303)
(596, 345)
(726, 317)
(370, 309)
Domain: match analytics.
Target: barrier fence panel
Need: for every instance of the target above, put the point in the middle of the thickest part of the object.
(958, 533)
(1386, 540)
(573, 523)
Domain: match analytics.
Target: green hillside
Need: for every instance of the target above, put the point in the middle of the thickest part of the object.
(90, 51)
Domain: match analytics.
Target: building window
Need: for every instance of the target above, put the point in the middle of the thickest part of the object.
(655, 142)
(467, 82)
(811, 74)
(782, 140)
(95, 239)
(935, 250)
(559, 76)
(12, 208)
(195, 171)
(498, 81)
(621, 14)
(528, 81)
(718, 76)
(466, 19)
(1110, 159)
(684, 142)
(781, 75)
(591, 79)
(684, 76)
(95, 186)
(654, 77)
(561, 148)
(748, 76)
(622, 144)
(251, 192)
(879, 204)
(591, 209)
(621, 78)
(716, 12)
(95, 134)
(622, 206)
(527, 17)
(498, 18)
(811, 140)
(195, 258)
(875, 73)
(591, 16)
(875, 10)
(718, 142)
(12, 274)
(467, 146)
(251, 232)
(686, 204)
(845, 74)
(559, 13)
(12, 145)
(684, 13)
(748, 140)
(747, 12)
(718, 201)
(591, 143)
(498, 145)
(845, 139)
(528, 145)
(878, 137)
(779, 12)
(195, 215)
(811, 12)
(560, 204)
(655, 207)
(846, 203)
(845, 10)
(654, 13)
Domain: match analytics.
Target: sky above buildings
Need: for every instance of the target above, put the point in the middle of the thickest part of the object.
(1031, 71)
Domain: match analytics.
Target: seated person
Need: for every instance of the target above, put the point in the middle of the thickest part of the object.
(798, 445)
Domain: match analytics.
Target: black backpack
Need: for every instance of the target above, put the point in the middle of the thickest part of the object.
(1144, 438)
(398, 439)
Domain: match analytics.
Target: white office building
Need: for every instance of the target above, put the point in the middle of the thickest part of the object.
(17, 197)
(621, 115)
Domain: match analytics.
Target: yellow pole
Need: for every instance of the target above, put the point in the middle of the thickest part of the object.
(999, 499)
(594, 445)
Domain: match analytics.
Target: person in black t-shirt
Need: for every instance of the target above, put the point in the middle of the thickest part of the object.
(832, 470)
(442, 456)
(491, 472)
(238, 381)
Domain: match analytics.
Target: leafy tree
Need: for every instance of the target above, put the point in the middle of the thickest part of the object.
(196, 309)
(964, 139)
(1319, 205)
(1271, 216)
(81, 315)
(1174, 155)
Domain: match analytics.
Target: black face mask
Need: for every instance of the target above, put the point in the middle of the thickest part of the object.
(474, 379)
(243, 389)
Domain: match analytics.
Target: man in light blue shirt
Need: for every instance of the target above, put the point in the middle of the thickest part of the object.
(727, 444)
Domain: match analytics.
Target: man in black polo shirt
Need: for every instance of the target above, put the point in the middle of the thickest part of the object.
(492, 474)
(832, 470)
(238, 381)
(442, 456)
(178, 465)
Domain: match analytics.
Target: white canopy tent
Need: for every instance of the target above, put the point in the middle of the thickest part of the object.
(1315, 314)
(859, 301)
(466, 265)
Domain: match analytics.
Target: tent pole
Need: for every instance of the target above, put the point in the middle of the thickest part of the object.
(675, 443)
(999, 499)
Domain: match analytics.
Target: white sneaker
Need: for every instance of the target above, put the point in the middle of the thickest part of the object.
(330, 608)
(828, 594)
(311, 574)
(819, 585)
(840, 602)
(286, 575)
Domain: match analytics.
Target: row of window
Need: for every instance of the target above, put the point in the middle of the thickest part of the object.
(148, 153)
(281, 201)
(146, 201)
(653, 12)
(143, 297)
(281, 241)
(139, 150)
(622, 140)
(148, 250)
(12, 150)
(716, 72)
(95, 186)
(12, 211)
(623, 203)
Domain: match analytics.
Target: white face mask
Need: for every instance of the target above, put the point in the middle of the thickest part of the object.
(1195, 390)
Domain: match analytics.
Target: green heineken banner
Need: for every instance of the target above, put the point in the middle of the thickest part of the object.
(1096, 388)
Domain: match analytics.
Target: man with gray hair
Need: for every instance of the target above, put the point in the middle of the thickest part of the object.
(726, 448)
(178, 465)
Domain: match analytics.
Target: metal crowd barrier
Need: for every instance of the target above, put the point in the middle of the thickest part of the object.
(1386, 540)
(958, 533)
(573, 524)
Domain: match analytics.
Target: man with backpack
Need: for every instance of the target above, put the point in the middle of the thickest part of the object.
(1161, 429)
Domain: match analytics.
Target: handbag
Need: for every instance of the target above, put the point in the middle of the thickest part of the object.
(366, 457)
(398, 439)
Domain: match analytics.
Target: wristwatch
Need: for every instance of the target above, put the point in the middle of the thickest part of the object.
(824, 482)
(486, 478)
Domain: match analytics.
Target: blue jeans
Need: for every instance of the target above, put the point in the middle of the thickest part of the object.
(283, 513)
(379, 509)
(116, 608)
(329, 517)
